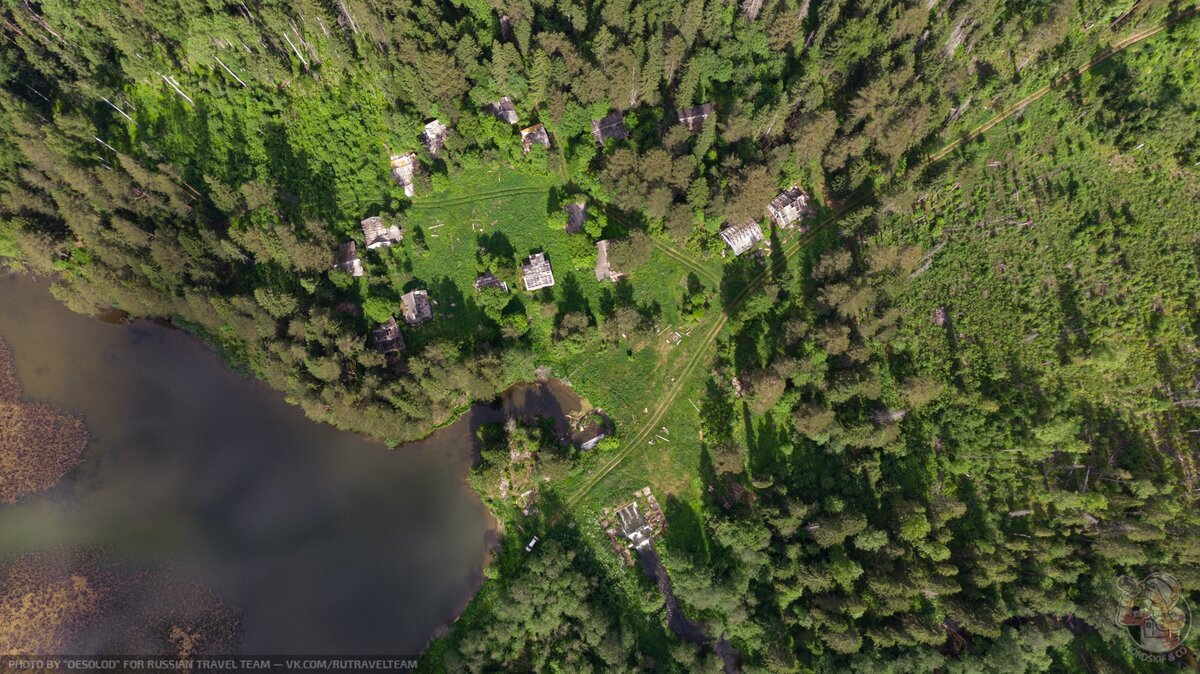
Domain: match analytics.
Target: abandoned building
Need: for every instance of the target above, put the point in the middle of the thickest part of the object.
(503, 110)
(742, 237)
(603, 270)
(534, 134)
(434, 136)
(375, 234)
(417, 307)
(347, 259)
(576, 215)
(388, 339)
(612, 126)
(787, 208)
(403, 168)
(590, 429)
(590, 444)
(693, 117)
(634, 526)
(489, 280)
(537, 273)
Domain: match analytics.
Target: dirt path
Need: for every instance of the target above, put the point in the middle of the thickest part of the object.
(481, 196)
(1058, 82)
(687, 261)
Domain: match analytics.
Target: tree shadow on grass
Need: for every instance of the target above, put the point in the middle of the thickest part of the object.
(764, 446)
(302, 189)
(571, 298)
(736, 279)
(685, 530)
(618, 295)
(496, 246)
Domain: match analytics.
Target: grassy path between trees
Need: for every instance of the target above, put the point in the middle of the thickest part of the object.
(687, 261)
(480, 196)
(1058, 82)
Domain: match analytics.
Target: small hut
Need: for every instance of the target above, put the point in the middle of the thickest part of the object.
(693, 117)
(612, 126)
(742, 237)
(576, 216)
(403, 168)
(536, 272)
(534, 134)
(503, 110)
(788, 207)
(417, 307)
(489, 280)
(375, 234)
(603, 270)
(388, 339)
(348, 261)
(434, 136)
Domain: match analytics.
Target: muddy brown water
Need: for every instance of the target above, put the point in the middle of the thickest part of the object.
(326, 541)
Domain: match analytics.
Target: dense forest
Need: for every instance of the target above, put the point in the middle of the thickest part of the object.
(202, 160)
(931, 433)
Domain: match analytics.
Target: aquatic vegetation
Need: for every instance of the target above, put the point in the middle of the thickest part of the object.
(38, 443)
(75, 601)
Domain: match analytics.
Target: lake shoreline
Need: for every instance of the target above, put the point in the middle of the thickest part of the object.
(215, 454)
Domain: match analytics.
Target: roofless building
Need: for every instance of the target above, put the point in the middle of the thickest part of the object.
(434, 136)
(503, 110)
(417, 307)
(693, 117)
(348, 260)
(612, 126)
(534, 134)
(375, 234)
(387, 337)
(536, 272)
(789, 207)
(403, 168)
(742, 238)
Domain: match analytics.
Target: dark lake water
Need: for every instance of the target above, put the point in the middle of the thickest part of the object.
(326, 541)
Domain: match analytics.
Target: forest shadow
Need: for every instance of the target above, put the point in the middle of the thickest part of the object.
(685, 530)
(571, 298)
(764, 445)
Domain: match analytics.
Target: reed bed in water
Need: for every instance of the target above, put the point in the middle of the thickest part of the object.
(38, 443)
(79, 602)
